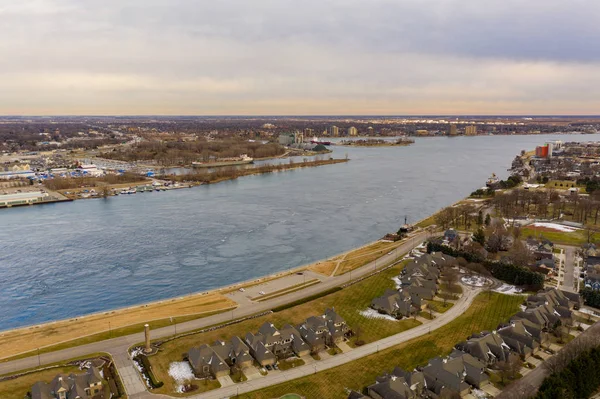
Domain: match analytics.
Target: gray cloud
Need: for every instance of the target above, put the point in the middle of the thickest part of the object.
(283, 56)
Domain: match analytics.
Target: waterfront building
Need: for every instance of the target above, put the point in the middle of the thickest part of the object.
(17, 199)
(333, 131)
(286, 139)
(471, 130)
(352, 131)
(452, 131)
(298, 137)
(422, 132)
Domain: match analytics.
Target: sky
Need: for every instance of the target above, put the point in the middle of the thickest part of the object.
(302, 57)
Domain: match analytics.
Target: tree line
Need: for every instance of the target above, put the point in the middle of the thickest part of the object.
(579, 379)
(183, 153)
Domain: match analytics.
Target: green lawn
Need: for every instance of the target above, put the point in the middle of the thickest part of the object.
(486, 312)
(558, 237)
(347, 302)
(439, 306)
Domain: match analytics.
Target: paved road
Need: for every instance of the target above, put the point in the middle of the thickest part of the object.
(529, 384)
(117, 347)
(459, 308)
(571, 276)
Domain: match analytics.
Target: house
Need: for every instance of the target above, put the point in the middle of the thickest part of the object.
(454, 374)
(234, 352)
(314, 331)
(394, 303)
(272, 339)
(451, 235)
(489, 348)
(299, 347)
(73, 386)
(259, 351)
(395, 387)
(337, 326)
(520, 339)
(206, 362)
(399, 384)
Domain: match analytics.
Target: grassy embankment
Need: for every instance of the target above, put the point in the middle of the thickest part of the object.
(285, 291)
(352, 260)
(50, 337)
(18, 387)
(486, 312)
(347, 302)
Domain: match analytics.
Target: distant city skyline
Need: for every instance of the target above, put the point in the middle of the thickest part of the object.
(267, 57)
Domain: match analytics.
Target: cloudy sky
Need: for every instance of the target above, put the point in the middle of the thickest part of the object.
(301, 57)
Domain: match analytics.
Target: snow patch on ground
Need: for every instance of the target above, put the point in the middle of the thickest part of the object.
(397, 281)
(181, 372)
(555, 226)
(509, 289)
(523, 307)
(479, 394)
(475, 281)
(373, 314)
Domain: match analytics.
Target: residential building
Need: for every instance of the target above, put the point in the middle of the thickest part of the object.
(471, 130)
(206, 362)
(352, 131)
(74, 386)
(489, 348)
(234, 352)
(452, 131)
(454, 375)
(333, 131)
(298, 137)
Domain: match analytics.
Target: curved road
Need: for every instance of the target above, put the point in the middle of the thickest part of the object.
(272, 379)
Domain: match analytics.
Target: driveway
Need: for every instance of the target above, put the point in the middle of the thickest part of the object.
(252, 373)
(226, 381)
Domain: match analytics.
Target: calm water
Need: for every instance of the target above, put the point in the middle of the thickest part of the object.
(64, 260)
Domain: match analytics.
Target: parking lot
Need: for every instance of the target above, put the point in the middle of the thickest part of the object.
(269, 287)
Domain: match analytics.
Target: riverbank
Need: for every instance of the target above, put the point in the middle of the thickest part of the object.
(225, 174)
(376, 143)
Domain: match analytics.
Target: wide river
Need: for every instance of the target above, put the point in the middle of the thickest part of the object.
(63, 260)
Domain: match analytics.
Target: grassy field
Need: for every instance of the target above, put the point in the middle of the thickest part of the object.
(82, 330)
(439, 306)
(486, 312)
(343, 264)
(347, 302)
(558, 237)
(364, 255)
(326, 267)
(562, 184)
